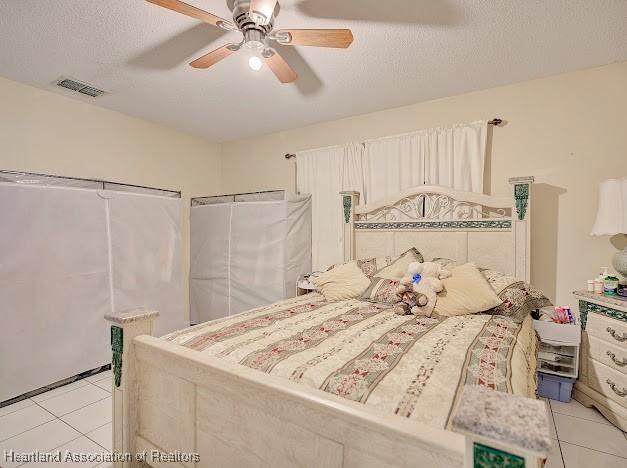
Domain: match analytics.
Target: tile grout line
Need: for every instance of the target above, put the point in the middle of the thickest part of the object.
(559, 444)
(56, 418)
(24, 407)
(52, 414)
(60, 445)
(577, 445)
(594, 450)
(84, 406)
(31, 428)
(62, 393)
(607, 423)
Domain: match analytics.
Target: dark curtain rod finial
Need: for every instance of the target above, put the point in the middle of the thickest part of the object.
(496, 122)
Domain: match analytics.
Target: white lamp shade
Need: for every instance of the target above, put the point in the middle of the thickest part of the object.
(612, 211)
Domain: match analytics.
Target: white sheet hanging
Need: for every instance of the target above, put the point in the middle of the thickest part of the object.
(55, 278)
(54, 286)
(209, 264)
(146, 256)
(247, 254)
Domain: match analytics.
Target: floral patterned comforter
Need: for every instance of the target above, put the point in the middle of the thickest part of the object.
(411, 366)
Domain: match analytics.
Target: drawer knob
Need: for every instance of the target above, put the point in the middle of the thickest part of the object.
(620, 393)
(612, 356)
(612, 332)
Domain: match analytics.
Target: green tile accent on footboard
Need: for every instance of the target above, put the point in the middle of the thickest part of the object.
(117, 346)
(488, 457)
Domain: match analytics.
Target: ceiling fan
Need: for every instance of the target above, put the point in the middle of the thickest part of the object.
(255, 19)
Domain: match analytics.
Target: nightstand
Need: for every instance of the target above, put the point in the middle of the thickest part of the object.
(603, 372)
(304, 286)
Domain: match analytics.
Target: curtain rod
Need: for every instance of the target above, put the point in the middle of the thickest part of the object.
(496, 122)
(98, 181)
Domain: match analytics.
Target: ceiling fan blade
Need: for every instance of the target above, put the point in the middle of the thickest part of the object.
(214, 57)
(338, 38)
(263, 8)
(279, 66)
(193, 12)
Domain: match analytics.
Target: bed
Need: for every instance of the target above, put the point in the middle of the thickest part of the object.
(309, 382)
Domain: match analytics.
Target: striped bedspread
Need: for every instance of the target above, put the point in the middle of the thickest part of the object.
(409, 366)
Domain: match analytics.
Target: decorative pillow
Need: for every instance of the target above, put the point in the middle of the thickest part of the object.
(466, 291)
(397, 269)
(519, 298)
(381, 290)
(371, 266)
(343, 282)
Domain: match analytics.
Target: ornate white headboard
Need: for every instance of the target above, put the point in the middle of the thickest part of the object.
(468, 227)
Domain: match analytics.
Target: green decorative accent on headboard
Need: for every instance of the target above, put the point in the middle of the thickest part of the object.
(586, 307)
(347, 208)
(488, 457)
(521, 194)
(117, 346)
(426, 225)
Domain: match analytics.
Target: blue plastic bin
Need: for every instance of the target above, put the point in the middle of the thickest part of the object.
(555, 387)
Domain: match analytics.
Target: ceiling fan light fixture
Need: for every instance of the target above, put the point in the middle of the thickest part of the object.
(254, 39)
(255, 63)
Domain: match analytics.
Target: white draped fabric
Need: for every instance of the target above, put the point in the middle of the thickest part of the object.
(392, 164)
(456, 156)
(324, 173)
(452, 157)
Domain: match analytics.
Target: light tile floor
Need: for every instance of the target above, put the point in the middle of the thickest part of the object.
(583, 438)
(77, 417)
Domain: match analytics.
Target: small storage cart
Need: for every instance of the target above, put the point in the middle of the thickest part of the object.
(558, 359)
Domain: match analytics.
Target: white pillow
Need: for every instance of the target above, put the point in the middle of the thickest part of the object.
(345, 281)
(398, 268)
(466, 291)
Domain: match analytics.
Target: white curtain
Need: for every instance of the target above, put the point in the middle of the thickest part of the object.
(324, 173)
(393, 164)
(456, 156)
(452, 157)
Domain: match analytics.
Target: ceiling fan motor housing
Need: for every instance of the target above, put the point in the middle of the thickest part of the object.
(254, 27)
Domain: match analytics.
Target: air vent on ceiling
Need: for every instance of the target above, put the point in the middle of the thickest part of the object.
(79, 87)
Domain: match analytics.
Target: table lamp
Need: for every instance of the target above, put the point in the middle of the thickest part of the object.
(612, 217)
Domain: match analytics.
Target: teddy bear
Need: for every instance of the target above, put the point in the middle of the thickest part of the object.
(418, 289)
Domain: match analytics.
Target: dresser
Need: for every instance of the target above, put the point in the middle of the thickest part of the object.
(603, 362)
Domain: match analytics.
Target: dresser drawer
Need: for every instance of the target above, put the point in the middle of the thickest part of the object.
(610, 330)
(609, 354)
(608, 382)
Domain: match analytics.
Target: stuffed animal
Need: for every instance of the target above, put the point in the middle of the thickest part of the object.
(418, 289)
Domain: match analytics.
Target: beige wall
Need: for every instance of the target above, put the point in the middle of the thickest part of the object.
(47, 133)
(569, 131)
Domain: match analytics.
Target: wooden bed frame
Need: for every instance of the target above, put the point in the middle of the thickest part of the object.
(170, 402)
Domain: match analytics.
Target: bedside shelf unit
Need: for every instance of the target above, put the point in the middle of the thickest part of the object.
(559, 348)
(603, 379)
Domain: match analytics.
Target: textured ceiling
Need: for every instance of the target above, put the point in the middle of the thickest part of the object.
(405, 51)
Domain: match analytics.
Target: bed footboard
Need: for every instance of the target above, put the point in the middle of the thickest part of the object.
(176, 407)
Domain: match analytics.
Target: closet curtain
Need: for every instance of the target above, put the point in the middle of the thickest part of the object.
(452, 157)
(324, 173)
